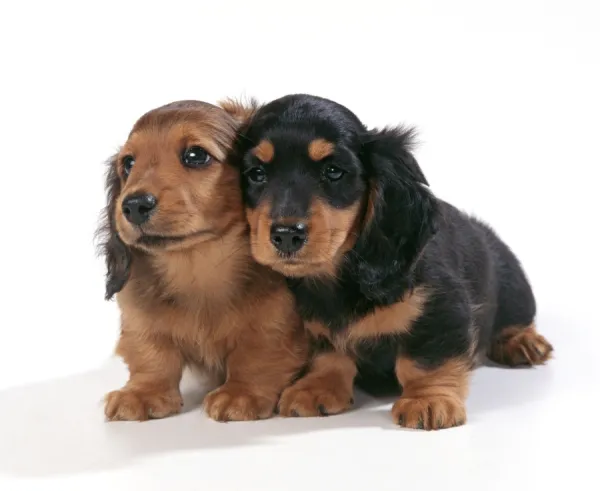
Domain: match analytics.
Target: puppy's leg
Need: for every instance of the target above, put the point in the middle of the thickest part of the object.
(435, 362)
(326, 389)
(432, 398)
(258, 369)
(155, 369)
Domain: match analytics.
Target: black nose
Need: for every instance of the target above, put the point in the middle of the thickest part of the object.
(137, 208)
(288, 238)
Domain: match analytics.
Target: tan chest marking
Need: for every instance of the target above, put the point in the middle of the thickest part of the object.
(394, 319)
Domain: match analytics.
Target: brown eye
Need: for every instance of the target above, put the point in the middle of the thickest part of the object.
(333, 173)
(194, 157)
(128, 162)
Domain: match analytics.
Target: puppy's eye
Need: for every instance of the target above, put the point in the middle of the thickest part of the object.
(128, 162)
(333, 173)
(195, 157)
(256, 175)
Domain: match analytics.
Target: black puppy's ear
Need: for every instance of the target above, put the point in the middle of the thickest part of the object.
(401, 213)
(116, 254)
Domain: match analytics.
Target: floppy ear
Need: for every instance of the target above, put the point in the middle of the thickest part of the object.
(116, 254)
(401, 213)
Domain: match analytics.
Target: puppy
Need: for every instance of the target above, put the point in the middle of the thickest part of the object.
(393, 283)
(178, 258)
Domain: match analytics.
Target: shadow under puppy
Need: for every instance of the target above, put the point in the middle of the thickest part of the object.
(178, 257)
(393, 283)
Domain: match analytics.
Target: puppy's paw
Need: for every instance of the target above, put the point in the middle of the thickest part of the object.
(516, 346)
(314, 399)
(429, 412)
(136, 405)
(236, 403)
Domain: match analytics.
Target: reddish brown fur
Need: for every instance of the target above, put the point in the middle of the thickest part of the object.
(520, 346)
(240, 111)
(317, 329)
(329, 384)
(264, 151)
(320, 148)
(370, 208)
(432, 399)
(394, 319)
(260, 225)
(201, 300)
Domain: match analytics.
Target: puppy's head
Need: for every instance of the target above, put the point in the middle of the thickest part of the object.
(169, 187)
(319, 187)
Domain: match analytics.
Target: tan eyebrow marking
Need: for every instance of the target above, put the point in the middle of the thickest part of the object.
(319, 149)
(264, 151)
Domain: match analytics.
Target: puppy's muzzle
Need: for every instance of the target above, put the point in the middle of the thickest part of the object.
(289, 239)
(137, 208)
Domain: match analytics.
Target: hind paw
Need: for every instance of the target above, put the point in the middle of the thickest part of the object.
(516, 346)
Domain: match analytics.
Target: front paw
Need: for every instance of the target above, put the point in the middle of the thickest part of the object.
(236, 403)
(140, 405)
(429, 412)
(314, 399)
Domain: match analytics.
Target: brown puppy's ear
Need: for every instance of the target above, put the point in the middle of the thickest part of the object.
(242, 112)
(401, 213)
(116, 254)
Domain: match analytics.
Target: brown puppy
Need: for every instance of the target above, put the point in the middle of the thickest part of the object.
(178, 258)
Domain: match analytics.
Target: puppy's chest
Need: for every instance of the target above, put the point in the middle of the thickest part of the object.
(204, 335)
(357, 334)
(334, 305)
(177, 300)
(357, 339)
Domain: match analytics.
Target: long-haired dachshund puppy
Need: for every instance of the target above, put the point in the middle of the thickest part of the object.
(392, 282)
(178, 257)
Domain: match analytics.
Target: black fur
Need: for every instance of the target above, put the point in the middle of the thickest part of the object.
(403, 221)
(116, 254)
(476, 285)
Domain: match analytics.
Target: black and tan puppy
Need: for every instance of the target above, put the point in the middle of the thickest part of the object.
(178, 256)
(392, 282)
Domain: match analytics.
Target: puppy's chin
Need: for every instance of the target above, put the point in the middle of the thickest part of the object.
(303, 270)
(303, 264)
(156, 241)
(298, 268)
(160, 243)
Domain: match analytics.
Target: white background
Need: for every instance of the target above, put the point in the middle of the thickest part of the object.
(506, 98)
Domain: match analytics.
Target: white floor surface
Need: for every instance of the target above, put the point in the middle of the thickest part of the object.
(527, 429)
